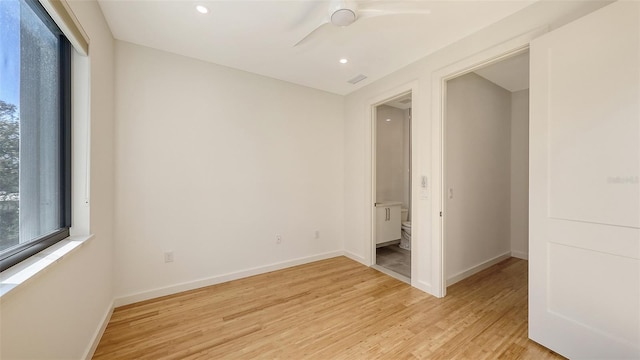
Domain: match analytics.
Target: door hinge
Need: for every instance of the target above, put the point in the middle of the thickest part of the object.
(440, 213)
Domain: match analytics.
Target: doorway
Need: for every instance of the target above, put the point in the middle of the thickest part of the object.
(392, 186)
(485, 167)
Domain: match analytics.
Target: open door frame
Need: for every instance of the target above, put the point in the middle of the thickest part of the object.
(370, 181)
(440, 77)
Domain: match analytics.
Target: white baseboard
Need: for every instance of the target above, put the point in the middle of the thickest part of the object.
(520, 255)
(477, 268)
(355, 257)
(190, 285)
(421, 285)
(98, 334)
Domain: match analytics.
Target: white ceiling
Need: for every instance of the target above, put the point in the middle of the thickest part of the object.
(511, 74)
(258, 36)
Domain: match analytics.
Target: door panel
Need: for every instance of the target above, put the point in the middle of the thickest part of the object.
(584, 261)
(592, 98)
(574, 282)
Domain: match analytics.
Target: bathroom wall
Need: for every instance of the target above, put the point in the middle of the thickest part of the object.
(406, 161)
(477, 150)
(520, 174)
(390, 163)
(212, 163)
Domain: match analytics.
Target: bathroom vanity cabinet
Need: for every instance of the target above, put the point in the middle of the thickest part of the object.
(388, 226)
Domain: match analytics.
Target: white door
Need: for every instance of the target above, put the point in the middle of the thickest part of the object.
(584, 264)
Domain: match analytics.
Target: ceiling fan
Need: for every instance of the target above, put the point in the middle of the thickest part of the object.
(344, 13)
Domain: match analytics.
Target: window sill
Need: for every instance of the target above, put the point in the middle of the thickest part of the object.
(15, 276)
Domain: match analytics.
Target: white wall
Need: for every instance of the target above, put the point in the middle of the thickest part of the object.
(389, 154)
(520, 174)
(57, 314)
(406, 161)
(478, 171)
(290, 166)
(357, 134)
(212, 163)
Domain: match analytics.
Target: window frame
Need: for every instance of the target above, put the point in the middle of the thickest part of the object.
(23, 251)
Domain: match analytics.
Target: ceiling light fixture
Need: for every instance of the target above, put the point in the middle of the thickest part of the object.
(388, 120)
(201, 9)
(343, 61)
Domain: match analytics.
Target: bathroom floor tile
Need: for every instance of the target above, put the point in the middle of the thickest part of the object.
(395, 259)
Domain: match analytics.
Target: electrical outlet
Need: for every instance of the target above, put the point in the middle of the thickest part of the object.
(316, 234)
(278, 239)
(168, 256)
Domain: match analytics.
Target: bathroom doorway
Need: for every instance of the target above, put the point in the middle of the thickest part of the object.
(486, 141)
(392, 181)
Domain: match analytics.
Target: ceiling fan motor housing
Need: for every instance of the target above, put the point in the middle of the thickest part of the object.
(343, 17)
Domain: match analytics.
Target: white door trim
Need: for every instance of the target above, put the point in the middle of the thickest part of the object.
(439, 79)
(370, 170)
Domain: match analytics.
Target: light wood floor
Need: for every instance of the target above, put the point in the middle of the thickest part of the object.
(331, 309)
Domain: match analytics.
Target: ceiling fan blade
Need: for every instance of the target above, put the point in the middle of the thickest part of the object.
(371, 12)
(312, 33)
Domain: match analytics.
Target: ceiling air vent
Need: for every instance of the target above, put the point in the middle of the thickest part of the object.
(357, 79)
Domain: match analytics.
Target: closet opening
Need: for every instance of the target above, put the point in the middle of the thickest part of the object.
(485, 167)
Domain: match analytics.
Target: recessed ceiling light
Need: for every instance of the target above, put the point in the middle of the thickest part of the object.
(343, 61)
(201, 9)
(388, 120)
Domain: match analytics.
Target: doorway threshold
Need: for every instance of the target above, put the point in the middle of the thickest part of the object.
(391, 273)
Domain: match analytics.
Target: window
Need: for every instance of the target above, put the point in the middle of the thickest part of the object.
(35, 131)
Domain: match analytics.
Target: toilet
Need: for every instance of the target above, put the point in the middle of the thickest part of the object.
(405, 239)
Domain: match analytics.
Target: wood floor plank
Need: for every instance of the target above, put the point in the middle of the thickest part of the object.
(331, 309)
